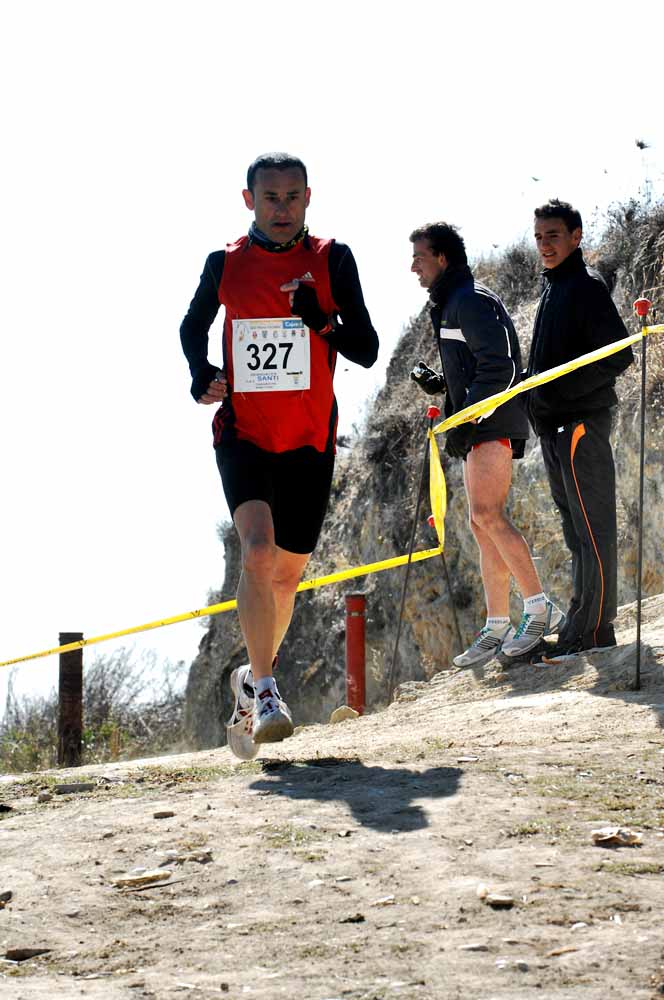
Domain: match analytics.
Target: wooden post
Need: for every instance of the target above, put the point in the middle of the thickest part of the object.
(70, 716)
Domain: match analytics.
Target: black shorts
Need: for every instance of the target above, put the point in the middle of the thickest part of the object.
(296, 485)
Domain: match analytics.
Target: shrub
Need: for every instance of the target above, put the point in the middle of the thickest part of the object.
(126, 713)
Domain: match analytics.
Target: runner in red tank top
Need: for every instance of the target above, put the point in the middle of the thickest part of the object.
(292, 301)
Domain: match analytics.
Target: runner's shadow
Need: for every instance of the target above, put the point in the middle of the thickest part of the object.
(378, 797)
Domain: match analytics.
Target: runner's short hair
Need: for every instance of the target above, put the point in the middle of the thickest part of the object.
(274, 161)
(442, 238)
(556, 209)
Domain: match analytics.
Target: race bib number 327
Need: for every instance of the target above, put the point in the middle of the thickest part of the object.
(270, 355)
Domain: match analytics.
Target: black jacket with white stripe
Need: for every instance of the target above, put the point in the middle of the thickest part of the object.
(479, 351)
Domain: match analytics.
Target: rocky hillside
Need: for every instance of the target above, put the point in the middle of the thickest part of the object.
(373, 503)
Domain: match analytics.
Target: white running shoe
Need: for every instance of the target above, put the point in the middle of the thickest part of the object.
(239, 728)
(272, 718)
(484, 647)
(532, 629)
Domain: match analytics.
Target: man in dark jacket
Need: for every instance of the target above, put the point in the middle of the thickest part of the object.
(572, 416)
(480, 355)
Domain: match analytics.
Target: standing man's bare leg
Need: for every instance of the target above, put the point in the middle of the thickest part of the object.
(488, 477)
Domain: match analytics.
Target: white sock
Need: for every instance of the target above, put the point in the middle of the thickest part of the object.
(497, 624)
(535, 605)
(264, 684)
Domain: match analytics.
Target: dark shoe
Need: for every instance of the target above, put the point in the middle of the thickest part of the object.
(567, 650)
(564, 650)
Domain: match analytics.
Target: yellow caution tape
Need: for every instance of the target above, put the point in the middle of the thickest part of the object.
(489, 404)
(437, 492)
(216, 609)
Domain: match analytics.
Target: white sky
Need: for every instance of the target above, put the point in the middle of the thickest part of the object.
(126, 131)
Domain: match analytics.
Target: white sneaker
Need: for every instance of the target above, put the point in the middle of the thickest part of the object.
(532, 629)
(484, 647)
(272, 719)
(239, 728)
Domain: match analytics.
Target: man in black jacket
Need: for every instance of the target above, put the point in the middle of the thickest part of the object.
(480, 355)
(572, 416)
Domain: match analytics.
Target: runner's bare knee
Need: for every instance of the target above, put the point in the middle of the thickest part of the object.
(258, 555)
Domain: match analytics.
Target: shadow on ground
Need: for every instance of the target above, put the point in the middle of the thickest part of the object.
(378, 797)
(610, 674)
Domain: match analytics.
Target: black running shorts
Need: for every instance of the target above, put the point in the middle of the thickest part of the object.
(296, 485)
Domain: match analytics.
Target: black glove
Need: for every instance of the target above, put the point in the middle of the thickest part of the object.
(204, 375)
(460, 440)
(428, 379)
(305, 305)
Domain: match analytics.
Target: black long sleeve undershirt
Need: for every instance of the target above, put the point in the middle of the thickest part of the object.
(353, 335)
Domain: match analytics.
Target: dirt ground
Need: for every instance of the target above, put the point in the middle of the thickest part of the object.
(345, 863)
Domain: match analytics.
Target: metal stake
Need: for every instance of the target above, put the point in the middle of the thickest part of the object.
(432, 413)
(642, 307)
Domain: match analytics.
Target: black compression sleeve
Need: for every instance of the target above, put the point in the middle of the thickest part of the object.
(201, 314)
(354, 337)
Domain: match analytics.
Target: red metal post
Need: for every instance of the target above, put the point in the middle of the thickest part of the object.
(355, 651)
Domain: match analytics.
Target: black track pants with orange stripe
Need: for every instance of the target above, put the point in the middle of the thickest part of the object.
(579, 464)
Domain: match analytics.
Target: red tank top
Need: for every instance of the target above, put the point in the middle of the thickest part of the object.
(249, 289)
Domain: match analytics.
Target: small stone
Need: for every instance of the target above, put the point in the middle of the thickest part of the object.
(343, 713)
(499, 901)
(75, 786)
(344, 833)
(344, 878)
(143, 878)
(356, 918)
(201, 857)
(383, 901)
(163, 814)
(616, 836)
(22, 954)
(474, 946)
(44, 797)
